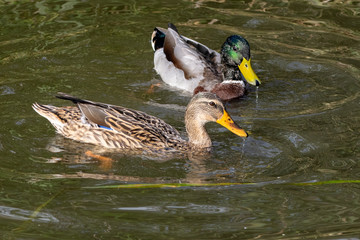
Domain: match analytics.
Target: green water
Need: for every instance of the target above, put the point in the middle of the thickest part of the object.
(304, 123)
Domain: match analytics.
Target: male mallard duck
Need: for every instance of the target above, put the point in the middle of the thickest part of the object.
(192, 66)
(118, 127)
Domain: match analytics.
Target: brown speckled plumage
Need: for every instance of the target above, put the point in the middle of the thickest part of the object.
(118, 127)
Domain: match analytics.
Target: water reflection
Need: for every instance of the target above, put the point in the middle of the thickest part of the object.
(79, 155)
(175, 209)
(303, 121)
(25, 215)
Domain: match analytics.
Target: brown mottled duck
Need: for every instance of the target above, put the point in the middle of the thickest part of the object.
(113, 126)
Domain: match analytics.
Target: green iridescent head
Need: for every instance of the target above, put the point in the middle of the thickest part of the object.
(235, 54)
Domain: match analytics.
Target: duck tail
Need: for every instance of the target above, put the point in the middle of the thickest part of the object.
(157, 39)
(51, 113)
(81, 102)
(75, 100)
(172, 26)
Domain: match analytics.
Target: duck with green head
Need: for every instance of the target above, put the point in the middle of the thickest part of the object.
(191, 66)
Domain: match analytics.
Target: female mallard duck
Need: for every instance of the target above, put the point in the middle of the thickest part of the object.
(118, 127)
(191, 66)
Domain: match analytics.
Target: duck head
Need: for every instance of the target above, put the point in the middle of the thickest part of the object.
(235, 54)
(206, 107)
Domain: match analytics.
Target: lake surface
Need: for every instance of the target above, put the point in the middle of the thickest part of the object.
(285, 181)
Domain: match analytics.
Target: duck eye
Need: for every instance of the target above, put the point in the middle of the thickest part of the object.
(235, 48)
(212, 104)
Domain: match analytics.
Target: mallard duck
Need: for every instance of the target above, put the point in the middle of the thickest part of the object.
(192, 66)
(118, 127)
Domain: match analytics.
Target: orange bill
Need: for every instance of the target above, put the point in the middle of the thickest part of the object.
(227, 122)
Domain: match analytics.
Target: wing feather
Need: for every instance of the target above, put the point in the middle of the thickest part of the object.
(182, 55)
(133, 125)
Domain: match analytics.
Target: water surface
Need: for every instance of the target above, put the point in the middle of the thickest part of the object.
(303, 123)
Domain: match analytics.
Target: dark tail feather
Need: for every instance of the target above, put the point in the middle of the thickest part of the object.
(75, 100)
(81, 101)
(158, 38)
(172, 26)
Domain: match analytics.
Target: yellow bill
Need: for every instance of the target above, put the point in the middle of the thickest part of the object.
(227, 122)
(248, 72)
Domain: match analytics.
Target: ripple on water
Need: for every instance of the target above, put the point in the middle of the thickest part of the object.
(25, 215)
(174, 209)
(6, 90)
(258, 148)
(300, 88)
(302, 144)
(253, 23)
(342, 164)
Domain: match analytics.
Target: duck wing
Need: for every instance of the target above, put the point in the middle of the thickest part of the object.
(185, 63)
(158, 38)
(182, 55)
(207, 53)
(132, 124)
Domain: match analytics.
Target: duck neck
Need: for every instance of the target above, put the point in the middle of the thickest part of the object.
(231, 72)
(229, 68)
(198, 137)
